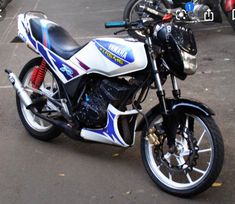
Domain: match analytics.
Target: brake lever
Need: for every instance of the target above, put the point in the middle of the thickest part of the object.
(120, 31)
(128, 28)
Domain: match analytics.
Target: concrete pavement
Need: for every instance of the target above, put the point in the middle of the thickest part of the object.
(67, 171)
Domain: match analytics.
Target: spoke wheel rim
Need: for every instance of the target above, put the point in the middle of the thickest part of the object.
(167, 179)
(33, 121)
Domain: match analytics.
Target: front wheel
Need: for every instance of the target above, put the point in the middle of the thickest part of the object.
(196, 161)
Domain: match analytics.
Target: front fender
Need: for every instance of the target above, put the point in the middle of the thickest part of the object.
(181, 104)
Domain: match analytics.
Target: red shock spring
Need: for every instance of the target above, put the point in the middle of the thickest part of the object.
(38, 75)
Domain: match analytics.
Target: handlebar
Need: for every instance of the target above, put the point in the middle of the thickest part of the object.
(121, 24)
(164, 16)
(115, 24)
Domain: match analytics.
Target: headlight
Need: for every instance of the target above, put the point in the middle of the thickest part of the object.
(190, 63)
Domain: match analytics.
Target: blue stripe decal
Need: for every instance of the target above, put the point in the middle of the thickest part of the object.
(119, 54)
(43, 52)
(63, 67)
(60, 64)
(23, 25)
(109, 129)
(32, 40)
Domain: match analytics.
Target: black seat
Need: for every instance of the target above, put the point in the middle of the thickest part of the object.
(54, 37)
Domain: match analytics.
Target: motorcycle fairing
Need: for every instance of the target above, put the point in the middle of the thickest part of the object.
(110, 134)
(63, 68)
(112, 56)
(106, 56)
(117, 53)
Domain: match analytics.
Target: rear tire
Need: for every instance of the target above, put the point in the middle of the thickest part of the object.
(169, 179)
(35, 130)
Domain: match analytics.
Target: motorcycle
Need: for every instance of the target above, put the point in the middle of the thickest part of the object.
(94, 93)
(134, 11)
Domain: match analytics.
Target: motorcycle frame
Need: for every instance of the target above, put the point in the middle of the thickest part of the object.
(103, 134)
(110, 134)
(67, 104)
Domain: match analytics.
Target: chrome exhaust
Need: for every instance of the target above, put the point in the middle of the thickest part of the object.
(25, 98)
(20, 91)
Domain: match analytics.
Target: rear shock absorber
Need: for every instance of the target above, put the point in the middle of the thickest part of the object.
(38, 75)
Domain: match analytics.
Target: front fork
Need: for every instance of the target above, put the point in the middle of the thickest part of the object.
(170, 118)
(158, 84)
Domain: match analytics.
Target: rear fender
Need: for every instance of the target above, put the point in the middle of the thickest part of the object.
(187, 105)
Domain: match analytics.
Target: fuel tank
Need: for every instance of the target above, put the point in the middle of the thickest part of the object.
(111, 56)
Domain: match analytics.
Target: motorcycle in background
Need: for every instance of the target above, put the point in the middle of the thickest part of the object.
(228, 7)
(134, 10)
(94, 93)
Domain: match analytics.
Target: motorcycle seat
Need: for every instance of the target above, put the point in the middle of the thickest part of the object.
(54, 37)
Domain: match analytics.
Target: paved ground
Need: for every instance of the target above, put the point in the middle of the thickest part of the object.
(66, 171)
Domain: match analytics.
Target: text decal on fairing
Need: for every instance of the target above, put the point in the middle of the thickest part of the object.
(67, 70)
(118, 54)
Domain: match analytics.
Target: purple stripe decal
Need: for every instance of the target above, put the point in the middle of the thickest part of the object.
(83, 65)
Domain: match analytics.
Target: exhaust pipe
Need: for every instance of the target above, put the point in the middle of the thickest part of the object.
(62, 125)
(20, 91)
(24, 97)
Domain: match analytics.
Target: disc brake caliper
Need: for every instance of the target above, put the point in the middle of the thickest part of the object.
(158, 140)
(155, 136)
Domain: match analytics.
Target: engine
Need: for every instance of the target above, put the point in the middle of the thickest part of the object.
(92, 108)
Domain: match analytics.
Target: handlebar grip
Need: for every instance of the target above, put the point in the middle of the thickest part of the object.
(115, 24)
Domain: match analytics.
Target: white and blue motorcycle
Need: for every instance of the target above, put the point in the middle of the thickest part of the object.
(94, 93)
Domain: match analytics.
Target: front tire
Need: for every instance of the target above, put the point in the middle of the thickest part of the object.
(36, 127)
(170, 171)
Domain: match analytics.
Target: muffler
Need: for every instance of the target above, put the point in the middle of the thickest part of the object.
(20, 91)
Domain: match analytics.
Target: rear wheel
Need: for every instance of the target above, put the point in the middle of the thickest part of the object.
(196, 162)
(37, 127)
